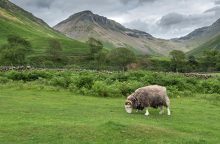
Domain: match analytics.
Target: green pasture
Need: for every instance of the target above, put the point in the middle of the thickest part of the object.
(57, 116)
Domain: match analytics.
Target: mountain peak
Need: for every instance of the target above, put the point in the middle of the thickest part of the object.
(90, 18)
(86, 12)
(112, 34)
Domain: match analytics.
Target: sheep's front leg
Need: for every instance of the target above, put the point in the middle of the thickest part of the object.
(168, 111)
(147, 112)
(161, 110)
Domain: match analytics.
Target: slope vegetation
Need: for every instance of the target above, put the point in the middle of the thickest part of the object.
(213, 44)
(16, 21)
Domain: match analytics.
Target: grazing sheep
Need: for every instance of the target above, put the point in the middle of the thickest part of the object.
(150, 96)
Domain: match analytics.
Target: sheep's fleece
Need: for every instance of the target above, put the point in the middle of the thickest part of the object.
(150, 96)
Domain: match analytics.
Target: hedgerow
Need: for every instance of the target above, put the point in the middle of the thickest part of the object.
(112, 84)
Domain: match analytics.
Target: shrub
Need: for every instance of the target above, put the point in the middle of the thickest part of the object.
(14, 75)
(4, 80)
(84, 81)
(210, 86)
(128, 87)
(27, 76)
(112, 84)
(173, 92)
(60, 81)
(100, 88)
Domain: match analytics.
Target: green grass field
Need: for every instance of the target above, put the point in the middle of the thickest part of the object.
(33, 116)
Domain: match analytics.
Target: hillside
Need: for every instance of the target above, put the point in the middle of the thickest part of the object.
(85, 24)
(202, 37)
(213, 44)
(16, 21)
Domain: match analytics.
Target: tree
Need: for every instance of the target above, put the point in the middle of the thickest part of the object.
(218, 62)
(121, 57)
(95, 46)
(55, 50)
(97, 53)
(15, 51)
(192, 63)
(177, 60)
(209, 60)
(100, 58)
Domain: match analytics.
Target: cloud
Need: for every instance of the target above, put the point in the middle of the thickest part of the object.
(215, 10)
(136, 1)
(217, 2)
(34, 3)
(41, 4)
(174, 25)
(179, 24)
(179, 20)
(171, 19)
(139, 25)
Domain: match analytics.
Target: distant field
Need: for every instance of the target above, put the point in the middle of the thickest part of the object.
(33, 116)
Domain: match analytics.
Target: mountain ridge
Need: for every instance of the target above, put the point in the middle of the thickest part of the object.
(85, 24)
(202, 39)
(203, 33)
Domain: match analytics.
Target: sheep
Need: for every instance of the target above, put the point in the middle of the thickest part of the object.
(150, 96)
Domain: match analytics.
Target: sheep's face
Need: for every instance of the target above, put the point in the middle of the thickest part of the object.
(128, 107)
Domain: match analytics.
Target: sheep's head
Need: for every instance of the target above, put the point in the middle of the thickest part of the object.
(128, 106)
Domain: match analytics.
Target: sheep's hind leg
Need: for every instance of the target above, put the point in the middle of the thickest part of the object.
(168, 106)
(147, 112)
(161, 110)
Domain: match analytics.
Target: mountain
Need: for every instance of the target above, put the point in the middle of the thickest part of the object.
(16, 21)
(199, 37)
(85, 24)
(212, 44)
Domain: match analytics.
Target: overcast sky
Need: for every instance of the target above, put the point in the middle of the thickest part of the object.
(161, 18)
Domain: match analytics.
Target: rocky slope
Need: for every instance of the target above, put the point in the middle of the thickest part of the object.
(85, 24)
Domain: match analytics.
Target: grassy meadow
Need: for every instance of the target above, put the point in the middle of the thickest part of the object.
(36, 108)
(33, 116)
